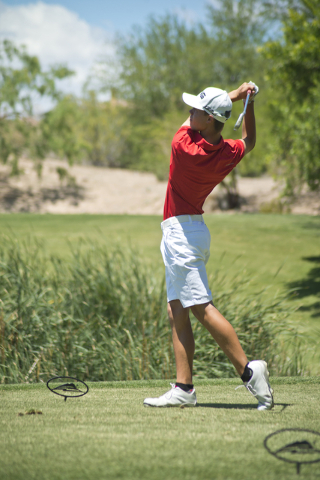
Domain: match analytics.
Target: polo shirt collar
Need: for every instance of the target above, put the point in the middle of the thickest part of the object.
(201, 142)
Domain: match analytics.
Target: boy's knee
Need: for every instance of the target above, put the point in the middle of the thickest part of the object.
(176, 312)
(201, 311)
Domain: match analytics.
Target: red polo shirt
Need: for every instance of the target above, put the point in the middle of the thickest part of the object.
(196, 167)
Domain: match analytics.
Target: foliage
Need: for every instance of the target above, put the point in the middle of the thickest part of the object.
(86, 130)
(20, 76)
(102, 316)
(237, 29)
(166, 58)
(295, 61)
(21, 79)
(147, 145)
(158, 61)
(59, 129)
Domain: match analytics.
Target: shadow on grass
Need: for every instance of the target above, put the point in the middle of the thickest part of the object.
(239, 406)
(229, 406)
(310, 285)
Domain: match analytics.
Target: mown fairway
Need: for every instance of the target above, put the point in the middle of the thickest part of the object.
(108, 434)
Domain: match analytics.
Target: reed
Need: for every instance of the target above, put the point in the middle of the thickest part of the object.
(101, 316)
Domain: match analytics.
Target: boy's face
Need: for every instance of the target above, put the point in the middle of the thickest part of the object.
(198, 119)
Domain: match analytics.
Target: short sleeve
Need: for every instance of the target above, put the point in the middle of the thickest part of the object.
(236, 150)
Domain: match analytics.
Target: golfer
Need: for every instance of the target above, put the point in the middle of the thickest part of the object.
(200, 160)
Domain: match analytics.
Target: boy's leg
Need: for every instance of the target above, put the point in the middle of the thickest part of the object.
(223, 333)
(257, 381)
(183, 340)
(183, 344)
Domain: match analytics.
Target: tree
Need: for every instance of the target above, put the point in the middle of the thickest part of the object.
(86, 130)
(21, 78)
(156, 62)
(295, 75)
(238, 28)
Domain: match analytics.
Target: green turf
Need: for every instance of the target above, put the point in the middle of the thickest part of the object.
(108, 434)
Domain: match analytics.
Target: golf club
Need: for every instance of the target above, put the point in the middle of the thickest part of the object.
(239, 121)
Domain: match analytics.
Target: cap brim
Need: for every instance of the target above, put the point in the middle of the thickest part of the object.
(191, 100)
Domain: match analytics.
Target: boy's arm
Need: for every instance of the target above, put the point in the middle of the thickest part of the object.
(249, 122)
(249, 129)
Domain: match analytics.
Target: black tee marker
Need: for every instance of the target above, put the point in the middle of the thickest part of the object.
(67, 387)
(294, 445)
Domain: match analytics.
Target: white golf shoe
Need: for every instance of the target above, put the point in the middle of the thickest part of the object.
(173, 398)
(259, 386)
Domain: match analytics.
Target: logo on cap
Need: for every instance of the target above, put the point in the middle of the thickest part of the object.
(202, 95)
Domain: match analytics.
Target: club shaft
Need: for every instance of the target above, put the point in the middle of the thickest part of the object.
(246, 104)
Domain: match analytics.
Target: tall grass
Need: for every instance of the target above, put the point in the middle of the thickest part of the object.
(263, 327)
(102, 316)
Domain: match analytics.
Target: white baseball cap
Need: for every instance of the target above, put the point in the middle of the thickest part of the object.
(214, 101)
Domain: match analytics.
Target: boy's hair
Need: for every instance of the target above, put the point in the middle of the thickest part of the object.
(218, 126)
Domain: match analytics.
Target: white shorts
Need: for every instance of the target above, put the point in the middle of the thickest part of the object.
(185, 249)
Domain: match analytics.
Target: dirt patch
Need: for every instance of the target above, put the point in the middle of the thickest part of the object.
(88, 189)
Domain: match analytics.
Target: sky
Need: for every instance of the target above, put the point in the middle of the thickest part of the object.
(79, 33)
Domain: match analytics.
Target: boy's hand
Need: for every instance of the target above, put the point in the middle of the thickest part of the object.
(254, 92)
(241, 92)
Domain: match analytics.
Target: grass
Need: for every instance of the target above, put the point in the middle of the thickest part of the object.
(101, 315)
(58, 231)
(277, 252)
(276, 249)
(108, 434)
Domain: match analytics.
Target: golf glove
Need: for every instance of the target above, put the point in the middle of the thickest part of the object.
(255, 89)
